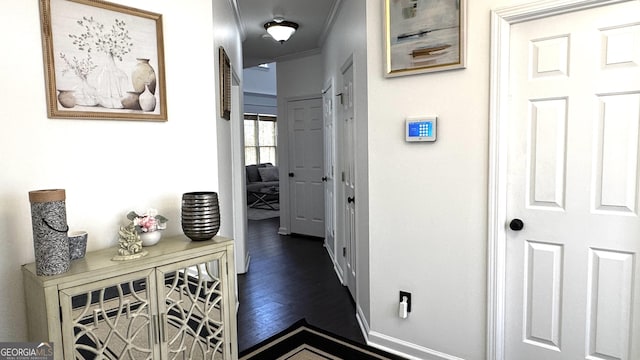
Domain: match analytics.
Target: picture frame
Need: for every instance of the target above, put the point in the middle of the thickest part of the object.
(102, 61)
(225, 84)
(422, 36)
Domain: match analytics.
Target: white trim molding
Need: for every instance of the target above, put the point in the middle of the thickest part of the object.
(501, 21)
(396, 346)
(247, 261)
(362, 323)
(406, 349)
(329, 23)
(337, 270)
(238, 18)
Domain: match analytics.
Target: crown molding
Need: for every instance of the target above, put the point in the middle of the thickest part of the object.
(329, 23)
(239, 22)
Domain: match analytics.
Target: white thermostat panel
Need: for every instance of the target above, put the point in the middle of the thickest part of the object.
(420, 128)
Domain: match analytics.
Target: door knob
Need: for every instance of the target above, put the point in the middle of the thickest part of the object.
(290, 174)
(351, 199)
(324, 179)
(516, 225)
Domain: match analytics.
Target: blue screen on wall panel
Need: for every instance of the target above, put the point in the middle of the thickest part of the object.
(421, 129)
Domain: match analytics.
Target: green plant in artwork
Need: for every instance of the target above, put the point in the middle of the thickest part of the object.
(114, 41)
(107, 87)
(80, 67)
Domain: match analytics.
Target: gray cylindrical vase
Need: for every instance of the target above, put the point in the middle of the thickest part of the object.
(200, 215)
(50, 241)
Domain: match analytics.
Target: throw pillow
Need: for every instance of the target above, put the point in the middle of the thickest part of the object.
(252, 174)
(269, 173)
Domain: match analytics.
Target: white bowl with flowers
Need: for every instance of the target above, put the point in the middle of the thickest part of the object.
(148, 226)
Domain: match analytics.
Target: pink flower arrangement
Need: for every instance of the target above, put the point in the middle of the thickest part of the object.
(148, 222)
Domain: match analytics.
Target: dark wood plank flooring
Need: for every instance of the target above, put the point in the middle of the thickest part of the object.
(290, 278)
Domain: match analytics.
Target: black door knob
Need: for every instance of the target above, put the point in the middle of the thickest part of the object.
(290, 174)
(516, 225)
(324, 179)
(351, 199)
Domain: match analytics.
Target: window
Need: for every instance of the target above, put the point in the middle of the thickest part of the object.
(260, 139)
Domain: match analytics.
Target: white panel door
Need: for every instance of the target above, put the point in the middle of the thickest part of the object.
(306, 167)
(329, 175)
(349, 178)
(573, 279)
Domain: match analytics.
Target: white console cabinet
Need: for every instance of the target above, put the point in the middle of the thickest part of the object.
(178, 302)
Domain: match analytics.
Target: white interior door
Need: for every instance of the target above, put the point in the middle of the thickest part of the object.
(306, 167)
(572, 273)
(329, 162)
(349, 178)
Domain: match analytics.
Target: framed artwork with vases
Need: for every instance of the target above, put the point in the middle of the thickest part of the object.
(102, 61)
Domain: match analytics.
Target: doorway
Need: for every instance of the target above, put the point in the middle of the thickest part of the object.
(306, 166)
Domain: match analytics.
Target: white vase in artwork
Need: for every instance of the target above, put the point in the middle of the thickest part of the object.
(150, 238)
(86, 94)
(112, 82)
(147, 99)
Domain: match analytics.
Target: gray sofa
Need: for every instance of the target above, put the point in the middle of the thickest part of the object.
(261, 176)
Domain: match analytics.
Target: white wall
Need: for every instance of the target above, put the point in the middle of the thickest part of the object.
(256, 103)
(107, 167)
(261, 80)
(260, 90)
(296, 78)
(299, 77)
(428, 201)
(230, 134)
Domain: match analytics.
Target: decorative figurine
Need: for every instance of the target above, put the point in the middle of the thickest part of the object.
(130, 245)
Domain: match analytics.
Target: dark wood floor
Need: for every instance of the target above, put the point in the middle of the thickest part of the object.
(290, 278)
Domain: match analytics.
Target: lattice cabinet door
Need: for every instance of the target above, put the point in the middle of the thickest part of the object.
(114, 318)
(194, 310)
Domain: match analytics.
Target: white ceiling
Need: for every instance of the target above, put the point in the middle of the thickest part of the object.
(312, 16)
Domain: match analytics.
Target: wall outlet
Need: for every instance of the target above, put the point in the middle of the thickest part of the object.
(408, 295)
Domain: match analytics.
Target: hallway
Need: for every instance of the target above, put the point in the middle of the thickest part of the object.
(290, 277)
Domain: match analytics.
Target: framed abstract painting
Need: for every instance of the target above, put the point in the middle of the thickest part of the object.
(424, 36)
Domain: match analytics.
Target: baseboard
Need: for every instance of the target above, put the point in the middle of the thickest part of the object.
(336, 268)
(283, 231)
(338, 272)
(397, 346)
(247, 261)
(405, 349)
(326, 247)
(362, 323)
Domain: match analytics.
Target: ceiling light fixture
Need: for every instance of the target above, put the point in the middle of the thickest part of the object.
(280, 29)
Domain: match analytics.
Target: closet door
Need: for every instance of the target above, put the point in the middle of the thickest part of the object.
(111, 319)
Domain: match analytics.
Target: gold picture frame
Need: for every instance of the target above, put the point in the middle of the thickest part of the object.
(225, 84)
(102, 61)
(422, 36)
